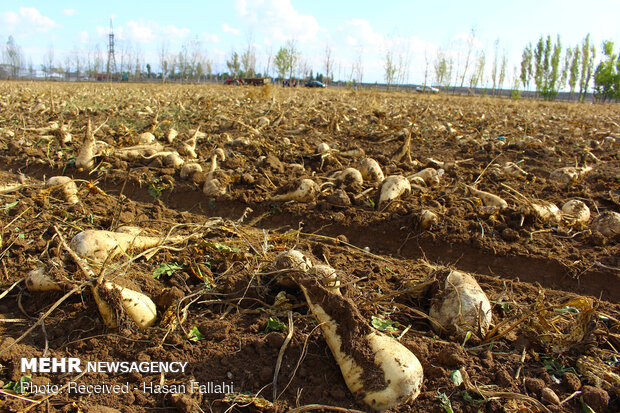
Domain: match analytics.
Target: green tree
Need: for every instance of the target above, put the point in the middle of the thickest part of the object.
(281, 62)
(539, 63)
(547, 67)
(286, 59)
(526, 66)
(442, 66)
(574, 69)
(234, 64)
(606, 76)
(588, 53)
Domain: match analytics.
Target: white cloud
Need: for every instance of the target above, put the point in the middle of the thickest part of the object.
(279, 19)
(26, 21)
(69, 12)
(361, 33)
(83, 37)
(227, 29)
(211, 38)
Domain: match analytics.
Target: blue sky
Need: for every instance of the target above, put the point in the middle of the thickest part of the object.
(355, 30)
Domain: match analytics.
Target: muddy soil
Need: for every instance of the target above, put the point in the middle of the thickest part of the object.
(222, 308)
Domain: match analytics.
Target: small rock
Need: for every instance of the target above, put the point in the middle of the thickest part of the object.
(247, 179)
(596, 398)
(169, 296)
(503, 378)
(339, 198)
(274, 339)
(548, 396)
(571, 381)
(510, 235)
(534, 385)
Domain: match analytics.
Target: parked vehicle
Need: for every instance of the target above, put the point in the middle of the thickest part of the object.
(427, 89)
(314, 83)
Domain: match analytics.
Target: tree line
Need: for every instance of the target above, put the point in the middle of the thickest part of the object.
(546, 67)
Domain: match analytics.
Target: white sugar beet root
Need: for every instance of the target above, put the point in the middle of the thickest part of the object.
(138, 306)
(85, 159)
(488, 199)
(348, 177)
(68, 187)
(608, 223)
(460, 305)
(305, 190)
(377, 369)
(370, 170)
(575, 212)
(97, 245)
(38, 281)
(392, 188)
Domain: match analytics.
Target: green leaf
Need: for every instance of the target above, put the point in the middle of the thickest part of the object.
(566, 309)
(445, 402)
(223, 248)
(386, 325)
(467, 337)
(274, 325)
(194, 334)
(166, 269)
(456, 377)
(18, 387)
(155, 189)
(10, 205)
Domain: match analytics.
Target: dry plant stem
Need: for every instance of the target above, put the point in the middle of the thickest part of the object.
(8, 290)
(485, 169)
(348, 245)
(289, 336)
(494, 335)
(302, 356)
(17, 397)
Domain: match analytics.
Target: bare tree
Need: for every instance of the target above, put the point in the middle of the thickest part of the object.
(76, 56)
(402, 75)
(267, 71)
(477, 78)
(328, 63)
(248, 58)
(98, 60)
(470, 49)
(502, 72)
(358, 66)
(163, 60)
(390, 69)
(427, 64)
(13, 57)
(494, 68)
(49, 61)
